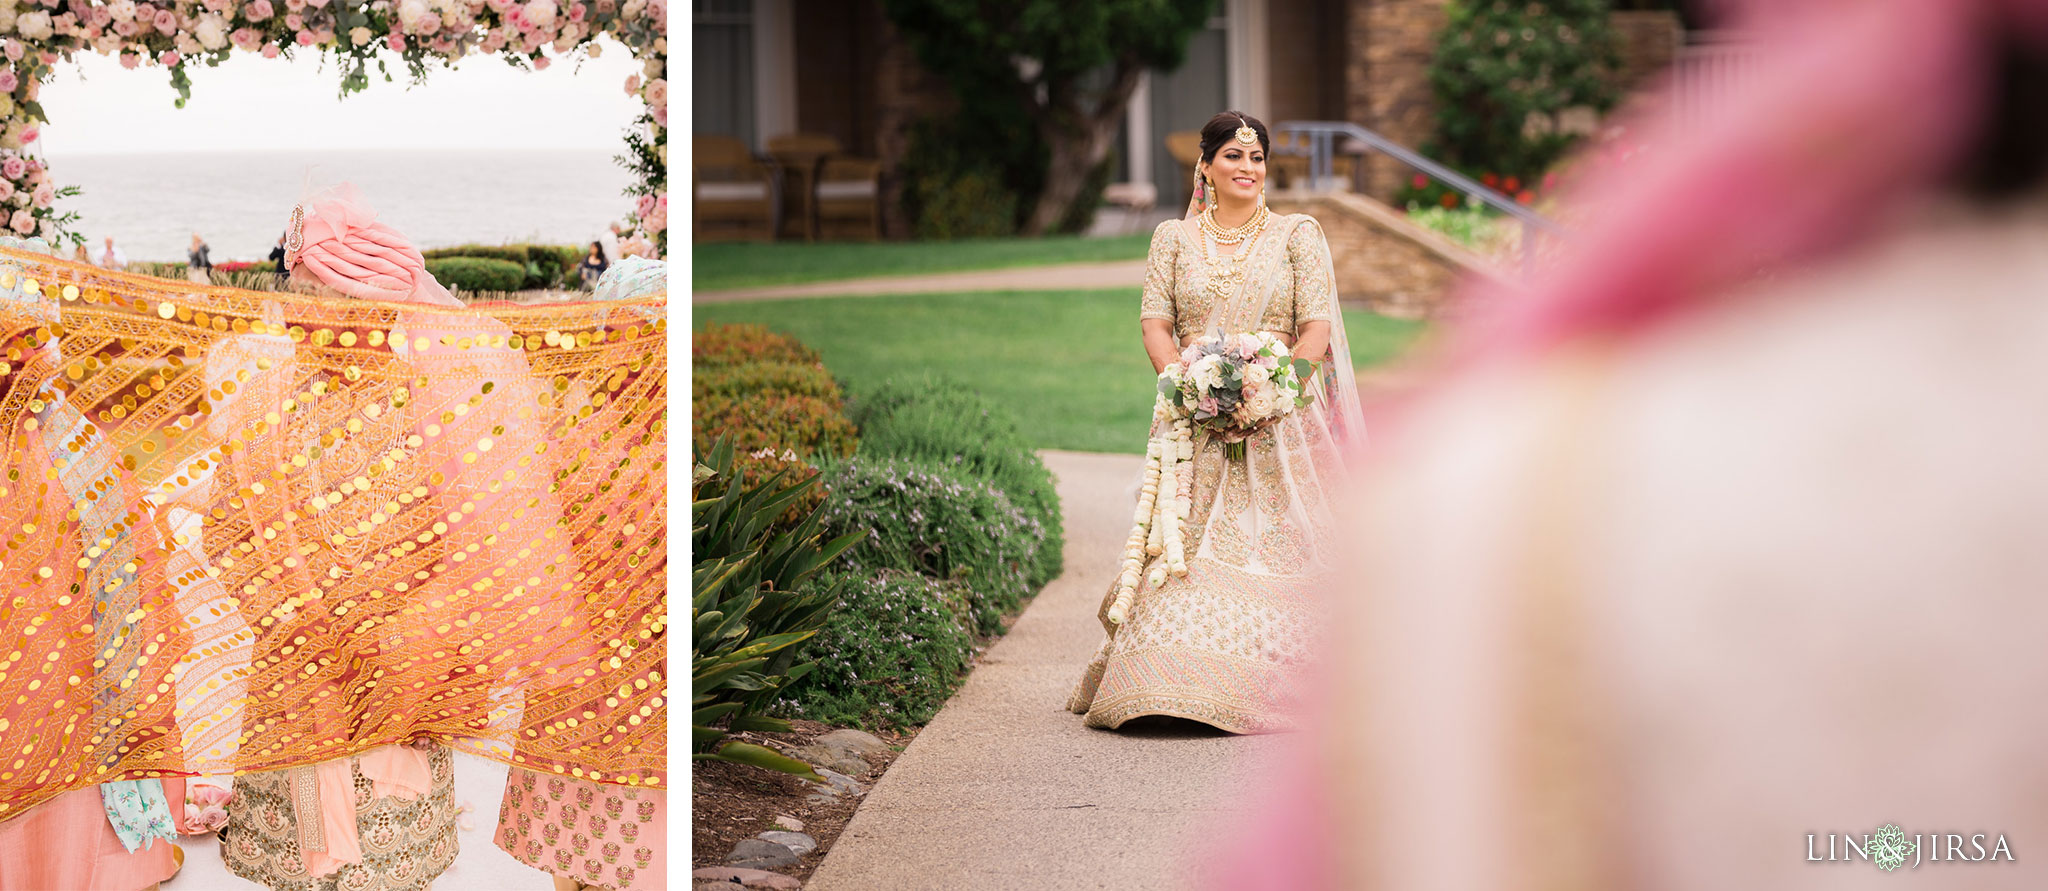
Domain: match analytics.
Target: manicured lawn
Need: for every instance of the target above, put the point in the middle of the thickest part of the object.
(1069, 363)
(720, 266)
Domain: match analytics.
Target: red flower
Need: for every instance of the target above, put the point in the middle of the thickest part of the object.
(1450, 199)
(1489, 180)
(1526, 197)
(1420, 181)
(1511, 184)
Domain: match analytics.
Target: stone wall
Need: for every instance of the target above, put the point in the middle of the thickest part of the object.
(1386, 79)
(1383, 262)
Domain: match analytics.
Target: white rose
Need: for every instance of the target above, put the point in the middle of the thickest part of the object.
(541, 13)
(632, 9)
(108, 44)
(122, 10)
(212, 31)
(34, 25)
(186, 45)
(410, 14)
(7, 18)
(654, 69)
(1254, 373)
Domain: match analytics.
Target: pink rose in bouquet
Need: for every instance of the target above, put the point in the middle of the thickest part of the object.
(1233, 386)
(45, 195)
(6, 189)
(13, 168)
(23, 222)
(206, 807)
(8, 80)
(257, 10)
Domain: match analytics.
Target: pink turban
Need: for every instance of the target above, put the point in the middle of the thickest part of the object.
(345, 248)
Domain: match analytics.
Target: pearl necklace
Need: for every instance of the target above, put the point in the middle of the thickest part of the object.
(1235, 234)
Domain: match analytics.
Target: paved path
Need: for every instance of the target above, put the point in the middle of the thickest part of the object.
(1005, 789)
(1062, 277)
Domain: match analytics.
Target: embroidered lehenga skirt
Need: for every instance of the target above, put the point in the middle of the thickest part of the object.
(610, 836)
(406, 842)
(1224, 644)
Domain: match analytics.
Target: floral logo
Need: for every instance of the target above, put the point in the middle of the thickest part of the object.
(1889, 848)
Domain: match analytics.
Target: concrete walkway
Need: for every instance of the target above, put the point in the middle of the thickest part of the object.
(1006, 790)
(1061, 277)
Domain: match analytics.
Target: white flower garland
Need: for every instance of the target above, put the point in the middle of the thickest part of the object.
(1156, 530)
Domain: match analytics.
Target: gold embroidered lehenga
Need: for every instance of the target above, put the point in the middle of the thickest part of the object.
(1219, 645)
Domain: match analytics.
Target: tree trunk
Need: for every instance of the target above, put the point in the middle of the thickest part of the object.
(1078, 140)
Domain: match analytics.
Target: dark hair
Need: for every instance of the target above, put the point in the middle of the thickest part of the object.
(2010, 157)
(599, 245)
(1223, 128)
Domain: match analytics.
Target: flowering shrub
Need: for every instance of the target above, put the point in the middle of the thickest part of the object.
(731, 344)
(35, 34)
(937, 521)
(890, 654)
(947, 424)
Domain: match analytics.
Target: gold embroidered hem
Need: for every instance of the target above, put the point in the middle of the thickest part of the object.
(406, 843)
(1220, 647)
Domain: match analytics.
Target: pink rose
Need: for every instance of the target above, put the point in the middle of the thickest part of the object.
(29, 135)
(170, 58)
(396, 41)
(130, 60)
(658, 220)
(661, 116)
(305, 38)
(542, 63)
(294, 21)
(125, 29)
(6, 189)
(48, 59)
(269, 51)
(207, 795)
(13, 50)
(657, 93)
(8, 80)
(102, 16)
(166, 21)
(644, 206)
(577, 12)
(45, 195)
(257, 10)
(633, 85)
(13, 168)
(23, 222)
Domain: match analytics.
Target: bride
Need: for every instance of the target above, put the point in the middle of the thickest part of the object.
(1219, 645)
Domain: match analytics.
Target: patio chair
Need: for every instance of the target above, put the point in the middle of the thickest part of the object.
(849, 192)
(1186, 147)
(734, 196)
(800, 155)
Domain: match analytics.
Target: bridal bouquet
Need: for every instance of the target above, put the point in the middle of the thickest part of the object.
(1230, 386)
(1233, 385)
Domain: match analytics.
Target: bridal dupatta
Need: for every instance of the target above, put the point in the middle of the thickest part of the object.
(330, 525)
(1221, 645)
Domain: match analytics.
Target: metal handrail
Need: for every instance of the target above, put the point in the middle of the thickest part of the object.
(1321, 138)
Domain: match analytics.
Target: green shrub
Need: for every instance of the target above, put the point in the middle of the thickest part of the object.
(938, 521)
(762, 377)
(1472, 227)
(971, 204)
(948, 424)
(477, 274)
(813, 427)
(1501, 67)
(890, 654)
(541, 265)
(751, 606)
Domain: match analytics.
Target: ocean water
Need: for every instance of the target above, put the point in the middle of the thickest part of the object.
(239, 201)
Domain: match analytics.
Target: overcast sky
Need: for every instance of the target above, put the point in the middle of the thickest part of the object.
(251, 103)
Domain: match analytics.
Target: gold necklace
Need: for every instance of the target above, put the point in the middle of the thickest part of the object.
(1235, 234)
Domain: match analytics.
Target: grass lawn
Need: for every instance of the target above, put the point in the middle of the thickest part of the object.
(1069, 363)
(719, 266)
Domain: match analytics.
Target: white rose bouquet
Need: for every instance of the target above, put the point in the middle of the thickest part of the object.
(1234, 385)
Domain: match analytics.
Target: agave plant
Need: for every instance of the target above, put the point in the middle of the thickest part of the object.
(750, 609)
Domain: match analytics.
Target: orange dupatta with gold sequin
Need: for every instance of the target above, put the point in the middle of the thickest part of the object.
(308, 527)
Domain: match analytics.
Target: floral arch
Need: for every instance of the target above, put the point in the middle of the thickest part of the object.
(36, 34)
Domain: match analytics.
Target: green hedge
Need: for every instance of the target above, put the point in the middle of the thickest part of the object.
(477, 274)
(889, 655)
(949, 424)
(541, 265)
(939, 521)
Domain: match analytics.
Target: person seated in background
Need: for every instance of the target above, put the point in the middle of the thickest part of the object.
(593, 266)
(111, 257)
